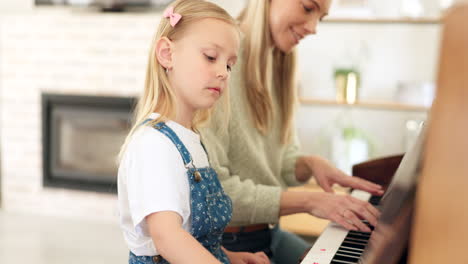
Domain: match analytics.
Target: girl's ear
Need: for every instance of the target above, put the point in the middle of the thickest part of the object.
(164, 52)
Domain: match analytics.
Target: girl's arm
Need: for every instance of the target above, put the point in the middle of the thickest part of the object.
(174, 243)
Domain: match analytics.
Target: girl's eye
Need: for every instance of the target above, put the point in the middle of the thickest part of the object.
(308, 9)
(229, 67)
(210, 58)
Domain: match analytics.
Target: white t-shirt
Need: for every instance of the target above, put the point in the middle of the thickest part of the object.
(152, 178)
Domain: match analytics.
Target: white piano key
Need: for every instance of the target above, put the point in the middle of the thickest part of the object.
(362, 195)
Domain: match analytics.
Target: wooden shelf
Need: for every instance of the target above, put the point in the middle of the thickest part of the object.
(377, 105)
(421, 20)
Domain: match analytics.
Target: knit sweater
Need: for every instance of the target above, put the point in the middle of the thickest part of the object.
(253, 168)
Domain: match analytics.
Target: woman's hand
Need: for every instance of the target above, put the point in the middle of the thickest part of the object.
(327, 175)
(344, 210)
(247, 257)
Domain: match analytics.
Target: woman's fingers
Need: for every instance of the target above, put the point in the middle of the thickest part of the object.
(344, 210)
(364, 210)
(354, 220)
(373, 210)
(361, 184)
(350, 212)
(339, 219)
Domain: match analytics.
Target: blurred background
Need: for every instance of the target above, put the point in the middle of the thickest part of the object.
(70, 70)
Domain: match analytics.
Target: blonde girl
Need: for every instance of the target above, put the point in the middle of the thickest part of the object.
(172, 206)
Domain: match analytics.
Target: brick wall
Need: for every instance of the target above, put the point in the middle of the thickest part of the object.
(67, 52)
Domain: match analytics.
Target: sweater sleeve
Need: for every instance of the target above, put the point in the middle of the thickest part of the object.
(290, 156)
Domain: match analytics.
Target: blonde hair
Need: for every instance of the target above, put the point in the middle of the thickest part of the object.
(263, 62)
(158, 95)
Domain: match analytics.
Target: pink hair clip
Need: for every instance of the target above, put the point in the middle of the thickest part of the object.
(173, 17)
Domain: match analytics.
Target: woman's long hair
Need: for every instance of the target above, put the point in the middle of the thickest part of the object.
(263, 63)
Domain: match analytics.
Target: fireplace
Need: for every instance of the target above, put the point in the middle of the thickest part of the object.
(82, 136)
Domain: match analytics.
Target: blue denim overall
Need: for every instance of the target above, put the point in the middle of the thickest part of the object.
(211, 208)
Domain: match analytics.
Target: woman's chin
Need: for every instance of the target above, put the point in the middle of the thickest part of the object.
(286, 47)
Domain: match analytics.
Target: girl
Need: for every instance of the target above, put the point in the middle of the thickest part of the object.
(259, 157)
(172, 206)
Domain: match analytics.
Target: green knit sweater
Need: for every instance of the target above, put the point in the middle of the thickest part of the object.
(253, 168)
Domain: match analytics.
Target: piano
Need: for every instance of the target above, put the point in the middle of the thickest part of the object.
(337, 245)
(437, 165)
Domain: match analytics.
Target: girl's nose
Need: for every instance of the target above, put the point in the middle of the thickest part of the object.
(222, 73)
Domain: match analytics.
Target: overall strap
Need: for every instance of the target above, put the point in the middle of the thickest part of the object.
(166, 130)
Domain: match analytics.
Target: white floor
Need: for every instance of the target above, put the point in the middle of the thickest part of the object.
(33, 239)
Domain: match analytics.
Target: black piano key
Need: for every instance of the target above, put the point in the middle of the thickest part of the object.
(358, 236)
(345, 258)
(360, 240)
(355, 242)
(375, 200)
(357, 250)
(349, 252)
(341, 262)
(353, 245)
(358, 233)
(368, 224)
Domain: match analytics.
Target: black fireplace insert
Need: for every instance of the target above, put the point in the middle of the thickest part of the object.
(81, 138)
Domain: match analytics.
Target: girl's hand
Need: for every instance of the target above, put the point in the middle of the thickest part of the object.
(327, 175)
(247, 257)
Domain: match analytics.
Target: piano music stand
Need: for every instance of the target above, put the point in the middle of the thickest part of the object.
(379, 170)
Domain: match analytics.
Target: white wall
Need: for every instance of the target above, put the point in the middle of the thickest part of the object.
(8, 8)
(15, 6)
(386, 54)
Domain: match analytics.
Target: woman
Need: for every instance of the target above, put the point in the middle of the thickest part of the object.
(256, 154)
